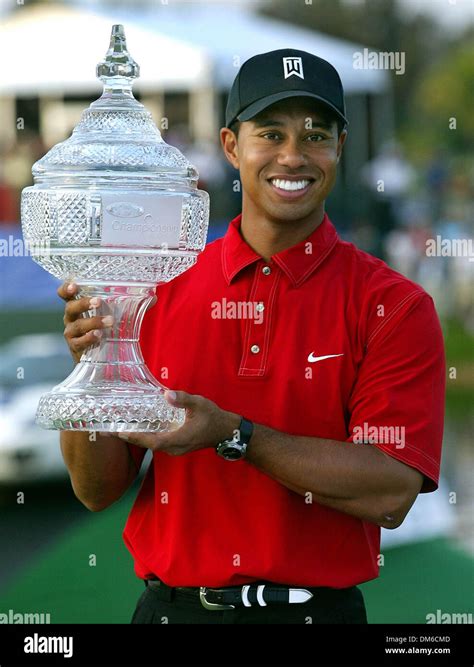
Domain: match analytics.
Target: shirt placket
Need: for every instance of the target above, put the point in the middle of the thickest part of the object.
(257, 331)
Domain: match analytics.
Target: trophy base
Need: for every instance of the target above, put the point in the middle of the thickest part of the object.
(139, 410)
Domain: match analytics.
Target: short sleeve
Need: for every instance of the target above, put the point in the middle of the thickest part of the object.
(397, 402)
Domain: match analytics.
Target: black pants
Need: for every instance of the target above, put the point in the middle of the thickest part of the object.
(326, 606)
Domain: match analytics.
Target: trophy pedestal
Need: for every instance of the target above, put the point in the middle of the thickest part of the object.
(111, 389)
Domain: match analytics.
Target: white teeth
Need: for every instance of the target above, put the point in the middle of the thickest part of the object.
(289, 185)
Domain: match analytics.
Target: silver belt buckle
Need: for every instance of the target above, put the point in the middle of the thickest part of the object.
(212, 606)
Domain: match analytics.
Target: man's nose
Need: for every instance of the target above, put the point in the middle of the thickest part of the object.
(292, 154)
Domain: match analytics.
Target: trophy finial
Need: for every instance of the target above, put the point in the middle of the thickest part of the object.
(118, 62)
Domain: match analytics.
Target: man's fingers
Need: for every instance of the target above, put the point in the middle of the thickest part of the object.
(81, 343)
(84, 325)
(184, 400)
(75, 308)
(67, 290)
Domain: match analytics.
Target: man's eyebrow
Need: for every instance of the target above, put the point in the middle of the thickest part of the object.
(271, 122)
(266, 122)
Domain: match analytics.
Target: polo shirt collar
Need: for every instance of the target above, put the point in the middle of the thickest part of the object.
(296, 261)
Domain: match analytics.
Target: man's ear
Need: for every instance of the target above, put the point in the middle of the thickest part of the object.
(340, 143)
(229, 146)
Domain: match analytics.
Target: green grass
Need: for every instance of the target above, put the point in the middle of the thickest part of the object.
(20, 322)
(417, 579)
(459, 403)
(459, 342)
(63, 583)
(460, 355)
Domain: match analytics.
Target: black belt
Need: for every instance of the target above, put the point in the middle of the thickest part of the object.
(250, 595)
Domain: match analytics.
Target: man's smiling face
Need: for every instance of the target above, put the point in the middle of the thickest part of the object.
(287, 156)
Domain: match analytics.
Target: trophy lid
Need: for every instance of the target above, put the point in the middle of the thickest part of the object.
(116, 133)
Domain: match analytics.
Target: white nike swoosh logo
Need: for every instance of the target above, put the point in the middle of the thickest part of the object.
(327, 356)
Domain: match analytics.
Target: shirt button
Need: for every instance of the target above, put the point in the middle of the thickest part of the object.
(266, 270)
(259, 307)
(255, 349)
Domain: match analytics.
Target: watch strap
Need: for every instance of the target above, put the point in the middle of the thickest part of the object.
(245, 430)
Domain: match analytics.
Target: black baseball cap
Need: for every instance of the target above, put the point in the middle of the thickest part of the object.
(270, 77)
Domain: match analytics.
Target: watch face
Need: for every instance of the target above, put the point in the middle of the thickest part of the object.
(232, 453)
(231, 450)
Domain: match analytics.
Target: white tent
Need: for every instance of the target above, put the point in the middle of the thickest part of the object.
(48, 50)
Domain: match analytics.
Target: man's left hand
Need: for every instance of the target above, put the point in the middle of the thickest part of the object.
(205, 425)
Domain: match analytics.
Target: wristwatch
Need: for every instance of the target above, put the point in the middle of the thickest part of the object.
(234, 449)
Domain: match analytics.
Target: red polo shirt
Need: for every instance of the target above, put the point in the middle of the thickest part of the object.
(199, 520)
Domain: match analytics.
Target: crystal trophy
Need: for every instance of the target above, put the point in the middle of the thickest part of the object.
(117, 211)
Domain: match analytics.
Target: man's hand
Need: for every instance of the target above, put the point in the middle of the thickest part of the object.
(205, 425)
(80, 331)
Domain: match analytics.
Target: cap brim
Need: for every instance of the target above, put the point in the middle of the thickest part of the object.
(258, 106)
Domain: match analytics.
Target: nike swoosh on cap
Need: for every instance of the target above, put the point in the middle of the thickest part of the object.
(326, 356)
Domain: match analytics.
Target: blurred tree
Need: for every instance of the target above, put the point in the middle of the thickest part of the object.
(444, 101)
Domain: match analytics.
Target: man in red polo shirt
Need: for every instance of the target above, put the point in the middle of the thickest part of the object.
(313, 381)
